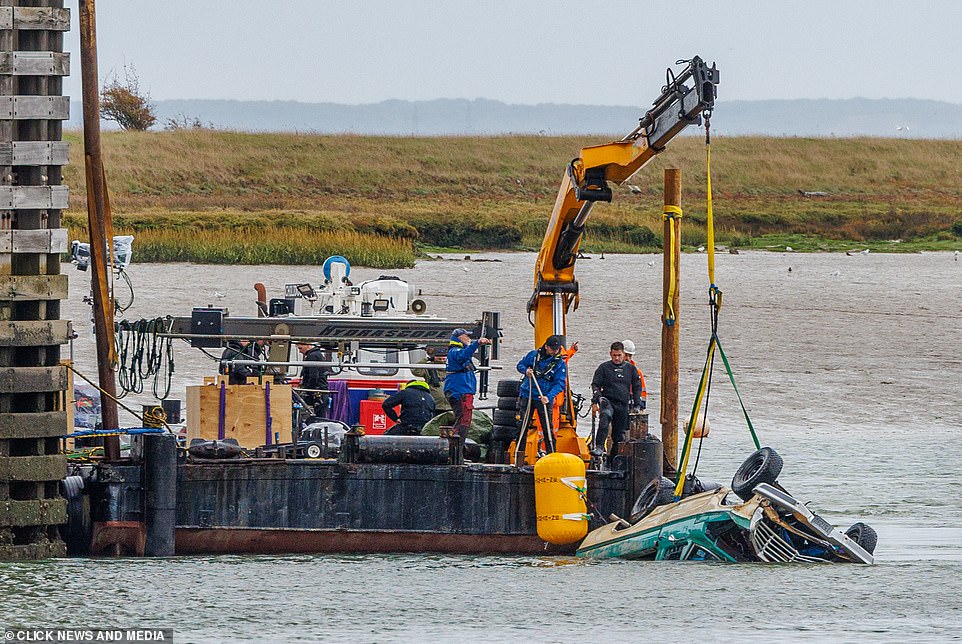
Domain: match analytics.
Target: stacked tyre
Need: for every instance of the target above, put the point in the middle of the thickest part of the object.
(506, 417)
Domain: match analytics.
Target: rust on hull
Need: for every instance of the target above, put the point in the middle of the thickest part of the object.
(192, 541)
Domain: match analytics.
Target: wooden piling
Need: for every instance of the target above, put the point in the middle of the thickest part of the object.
(670, 331)
(100, 227)
(32, 381)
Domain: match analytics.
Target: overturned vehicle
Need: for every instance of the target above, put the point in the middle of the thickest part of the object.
(754, 520)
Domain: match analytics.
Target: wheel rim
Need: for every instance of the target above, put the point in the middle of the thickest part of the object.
(754, 470)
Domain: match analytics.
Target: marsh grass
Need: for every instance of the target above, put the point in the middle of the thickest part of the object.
(497, 192)
(270, 246)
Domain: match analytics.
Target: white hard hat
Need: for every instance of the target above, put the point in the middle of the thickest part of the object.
(629, 346)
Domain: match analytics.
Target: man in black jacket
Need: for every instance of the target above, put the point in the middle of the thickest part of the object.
(315, 378)
(241, 350)
(614, 387)
(417, 408)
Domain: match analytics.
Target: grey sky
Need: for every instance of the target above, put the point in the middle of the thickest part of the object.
(522, 51)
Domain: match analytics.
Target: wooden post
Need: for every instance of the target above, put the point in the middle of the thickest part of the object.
(99, 225)
(669, 332)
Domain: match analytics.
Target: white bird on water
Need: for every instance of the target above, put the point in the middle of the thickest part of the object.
(835, 273)
(864, 252)
(701, 249)
(652, 262)
(790, 249)
(218, 294)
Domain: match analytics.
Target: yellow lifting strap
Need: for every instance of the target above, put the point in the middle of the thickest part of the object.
(716, 295)
(671, 212)
(710, 221)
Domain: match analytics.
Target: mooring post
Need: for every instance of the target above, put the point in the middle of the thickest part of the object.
(455, 449)
(160, 494)
(670, 320)
(100, 227)
(32, 380)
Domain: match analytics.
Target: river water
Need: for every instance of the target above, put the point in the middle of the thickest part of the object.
(850, 367)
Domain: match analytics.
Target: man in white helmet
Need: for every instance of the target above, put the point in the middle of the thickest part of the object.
(629, 353)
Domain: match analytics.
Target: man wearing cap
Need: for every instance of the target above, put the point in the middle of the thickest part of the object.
(547, 366)
(629, 352)
(614, 386)
(460, 380)
(417, 408)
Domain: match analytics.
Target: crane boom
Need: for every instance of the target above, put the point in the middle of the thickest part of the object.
(586, 179)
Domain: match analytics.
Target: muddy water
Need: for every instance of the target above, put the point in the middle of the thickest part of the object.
(850, 367)
(815, 340)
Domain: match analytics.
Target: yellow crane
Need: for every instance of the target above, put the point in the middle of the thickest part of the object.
(586, 181)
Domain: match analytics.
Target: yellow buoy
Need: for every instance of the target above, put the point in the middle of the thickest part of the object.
(560, 487)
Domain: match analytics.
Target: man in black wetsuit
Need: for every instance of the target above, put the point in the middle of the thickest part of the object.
(315, 378)
(241, 350)
(614, 387)
(417, 408)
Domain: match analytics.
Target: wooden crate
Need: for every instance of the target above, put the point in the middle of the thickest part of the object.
(245, 412)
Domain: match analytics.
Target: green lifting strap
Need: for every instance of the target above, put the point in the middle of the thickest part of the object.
(731, 376)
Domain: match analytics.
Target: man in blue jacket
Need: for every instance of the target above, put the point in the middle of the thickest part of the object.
(460, 380)
(547, 366)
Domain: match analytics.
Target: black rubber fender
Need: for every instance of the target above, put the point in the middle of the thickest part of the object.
(73, 487)
(508, 404)
(504, 433)
(505, 417)
(509, 388)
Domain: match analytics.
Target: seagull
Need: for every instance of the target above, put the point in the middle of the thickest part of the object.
(790, 249)
(701, 249)
(652, 262)
(219, 294)
(835, 273)
(635, 190)
(465, 269)
(864, 252)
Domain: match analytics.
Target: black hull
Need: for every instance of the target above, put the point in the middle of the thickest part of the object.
(298, 506)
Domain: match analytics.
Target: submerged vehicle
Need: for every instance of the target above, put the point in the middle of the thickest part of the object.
(753, 520)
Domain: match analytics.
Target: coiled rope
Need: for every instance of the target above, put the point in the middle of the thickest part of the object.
(142, 353)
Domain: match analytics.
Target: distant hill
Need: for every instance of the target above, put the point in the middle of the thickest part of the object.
(909, 118)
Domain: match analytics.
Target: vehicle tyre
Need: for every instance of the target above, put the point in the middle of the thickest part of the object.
(763, 466)
(509, 404)
(509, 388)
(505, 417)
(313, 450)
(657, 492)
(864, 535)
(504, 433)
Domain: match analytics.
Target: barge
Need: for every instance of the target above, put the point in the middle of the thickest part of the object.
(369, 492)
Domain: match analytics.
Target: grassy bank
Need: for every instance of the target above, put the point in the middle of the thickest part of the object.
(234, 197)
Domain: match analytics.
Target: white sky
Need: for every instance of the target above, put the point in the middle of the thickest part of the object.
(525, 51)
